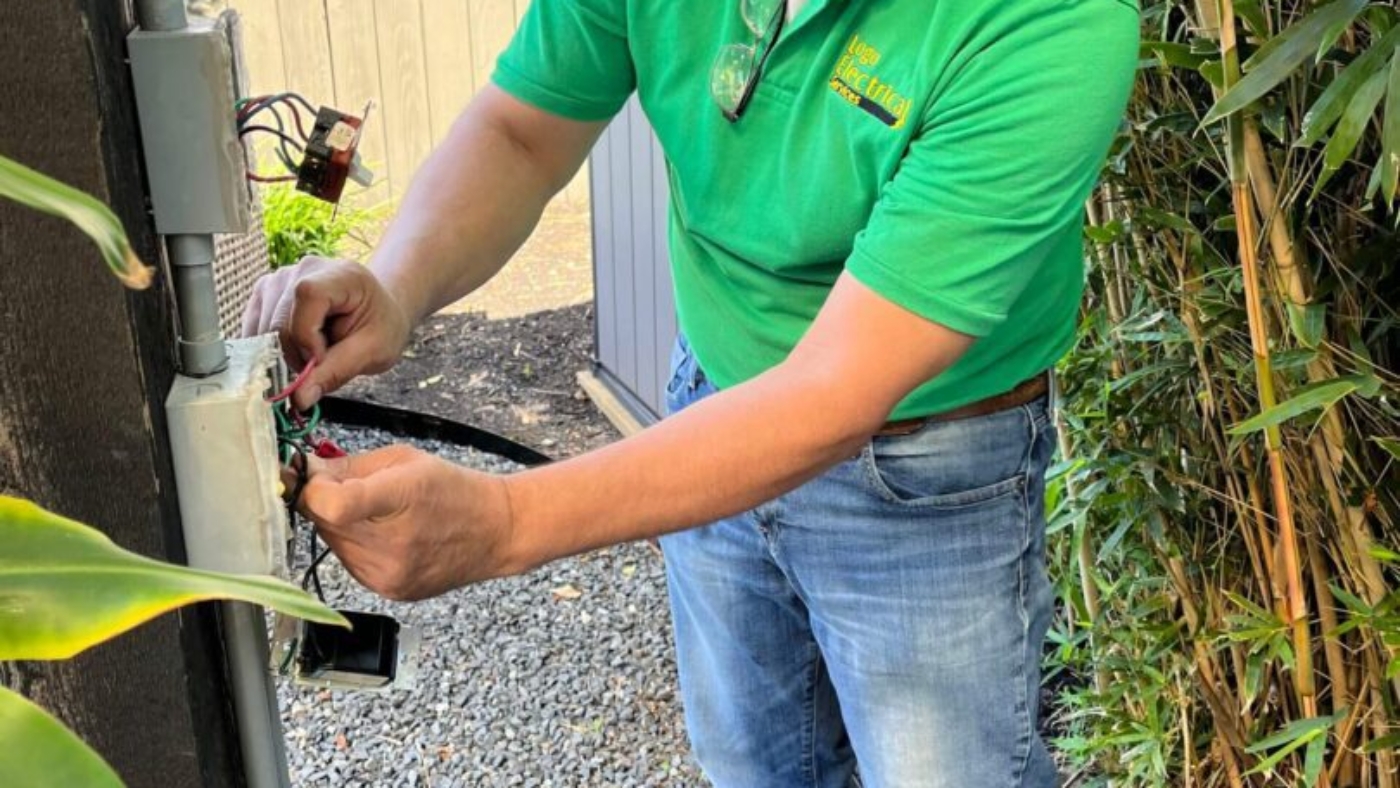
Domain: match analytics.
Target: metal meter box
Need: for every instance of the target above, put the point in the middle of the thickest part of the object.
(185, 95)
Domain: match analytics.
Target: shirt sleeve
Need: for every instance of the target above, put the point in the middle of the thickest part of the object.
(998, 171)
(570, 58)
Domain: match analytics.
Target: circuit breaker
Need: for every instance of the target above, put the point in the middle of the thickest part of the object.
(224, 440)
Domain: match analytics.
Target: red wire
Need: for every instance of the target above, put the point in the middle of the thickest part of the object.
(295, 384)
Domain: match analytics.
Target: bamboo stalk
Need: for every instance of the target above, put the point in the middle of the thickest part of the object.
(1242, 198)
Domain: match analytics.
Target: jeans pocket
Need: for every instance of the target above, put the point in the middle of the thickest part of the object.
(681, 369)
(954, 464)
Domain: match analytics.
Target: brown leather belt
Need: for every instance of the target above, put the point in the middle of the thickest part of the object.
(1025, 392)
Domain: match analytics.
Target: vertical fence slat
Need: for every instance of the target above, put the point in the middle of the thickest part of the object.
(448, 52)
(262, 44)
(493, 23)
(355, 64)
(306, 49)
(403, 77)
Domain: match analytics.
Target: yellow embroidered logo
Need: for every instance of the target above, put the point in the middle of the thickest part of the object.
(854, 80)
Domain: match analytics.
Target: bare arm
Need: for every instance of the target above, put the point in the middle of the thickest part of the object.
(742, 446)
(471, 205)
(476, 199)
(409, 525)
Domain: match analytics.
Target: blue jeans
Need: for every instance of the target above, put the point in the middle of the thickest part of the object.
(890, 611)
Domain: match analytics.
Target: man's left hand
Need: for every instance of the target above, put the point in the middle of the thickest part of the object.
(408, 525)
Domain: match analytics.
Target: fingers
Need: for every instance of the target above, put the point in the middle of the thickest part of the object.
(342, 362)
(346, 491)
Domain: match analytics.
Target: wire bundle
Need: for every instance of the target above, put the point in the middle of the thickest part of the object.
(248, 109)
(297, 440)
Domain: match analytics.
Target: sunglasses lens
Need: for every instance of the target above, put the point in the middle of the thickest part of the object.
(758, 14)
(730, 75)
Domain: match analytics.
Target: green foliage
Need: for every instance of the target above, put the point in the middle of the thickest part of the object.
(42, 193)
(65, 587)
(298, 225)
(1180, 662)
(38, 751)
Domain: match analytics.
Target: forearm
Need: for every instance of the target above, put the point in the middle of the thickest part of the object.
(474, 201)
(740, 447)
(723, 455)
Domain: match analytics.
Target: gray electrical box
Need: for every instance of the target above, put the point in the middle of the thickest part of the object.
(185, 94)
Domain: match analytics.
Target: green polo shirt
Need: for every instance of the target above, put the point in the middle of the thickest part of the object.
(939, 151)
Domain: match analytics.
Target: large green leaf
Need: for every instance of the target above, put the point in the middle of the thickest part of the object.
(1328, 108)
(36, 751)
(1350, 128)
(1390, 133)
(1292, 736)
(1282, 54)
(39, 191)
(65, 587)
(1391, 445)
(1316, 397)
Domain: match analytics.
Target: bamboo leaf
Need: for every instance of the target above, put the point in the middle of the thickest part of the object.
(1350, 128)
(1255, 20)
(1390, 132)
(39, 751)
(1319, 396)
(1391, 445)
(1312, 761)
(1281, 55)
(1328, 108)
(65, 587)
(1387, 742)
(1289, 738)
(39, 191)
(1171, 53)
(1308, 322)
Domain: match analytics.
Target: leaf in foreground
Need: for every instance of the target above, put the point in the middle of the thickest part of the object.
(1278, 58)
(65, 587)
(39, 752)
(39, 191)
(1319, 396)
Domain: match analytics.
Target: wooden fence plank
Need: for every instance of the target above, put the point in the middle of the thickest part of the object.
(403, 77)
(262, 44)
(306, 49)
(419, 60)
(448, 54)
(355, 64)
(493, 23)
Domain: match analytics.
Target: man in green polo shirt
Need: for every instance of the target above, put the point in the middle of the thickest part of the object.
(875, 227)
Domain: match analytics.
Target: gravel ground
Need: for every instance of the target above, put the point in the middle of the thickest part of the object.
(563, 677)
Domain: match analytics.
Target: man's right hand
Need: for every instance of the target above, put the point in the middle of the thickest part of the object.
(334, 311)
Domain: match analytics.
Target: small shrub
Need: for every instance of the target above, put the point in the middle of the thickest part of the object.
(298, 225)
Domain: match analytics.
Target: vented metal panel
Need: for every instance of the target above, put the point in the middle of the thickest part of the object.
(239, 261)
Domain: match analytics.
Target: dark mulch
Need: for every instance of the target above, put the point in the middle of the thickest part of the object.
(513, 376)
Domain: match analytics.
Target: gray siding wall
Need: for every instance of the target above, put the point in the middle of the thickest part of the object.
(636, 316)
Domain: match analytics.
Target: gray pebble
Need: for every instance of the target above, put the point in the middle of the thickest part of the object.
(516, 687)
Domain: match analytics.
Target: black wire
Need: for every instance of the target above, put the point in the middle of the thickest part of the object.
(312, 576)
(300, 468)
(282, 152)
(297, 97)
(284, 136)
